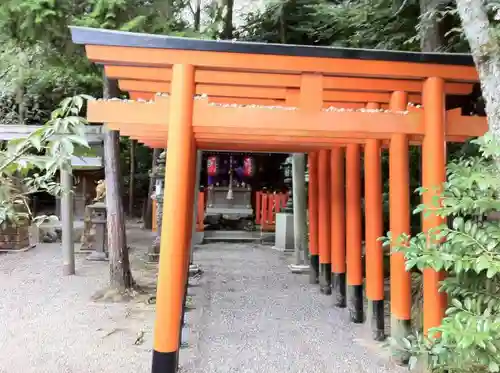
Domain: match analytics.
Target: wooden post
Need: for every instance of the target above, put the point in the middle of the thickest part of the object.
(191, 212)
(258, 209)
(325, 261)
(399, 204)
(174, 250)
(201, 211)
(337, 211)
(374, 254)
(68, 245)
(434, 174)
(353, 232)
(313, 217)
(311, 100)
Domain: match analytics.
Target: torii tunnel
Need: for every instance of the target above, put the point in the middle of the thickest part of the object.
(331, 103)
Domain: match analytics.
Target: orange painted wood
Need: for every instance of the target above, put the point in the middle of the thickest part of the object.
(374, 229)
(200, 221)
(258, 203)
(260, 79)
(271, 206)
(337, 210)
(285, 123)
(433, 175)
(267, 206)
(313, 203)
(115, 55)
(353, 215)
(399, 201)
(264, 208)
(174, 251)
(154, 209)
(324, 202)
(249, 92)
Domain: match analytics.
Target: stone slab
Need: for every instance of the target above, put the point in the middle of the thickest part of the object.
(284, 240)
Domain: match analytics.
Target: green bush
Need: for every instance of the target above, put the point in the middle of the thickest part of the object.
(467, 248)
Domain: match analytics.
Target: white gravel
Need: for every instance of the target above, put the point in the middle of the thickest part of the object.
(254, 316)
(48, 323)
(251, 315)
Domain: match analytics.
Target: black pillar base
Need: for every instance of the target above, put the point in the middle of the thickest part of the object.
(339, 285)
(325, 278)
(378, 320)
(314, 272)
(164, 362)
(356, 303)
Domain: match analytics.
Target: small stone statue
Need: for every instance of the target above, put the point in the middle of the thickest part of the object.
(100, 191)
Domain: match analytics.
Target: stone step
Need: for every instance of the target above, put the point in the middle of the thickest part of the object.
(235, 236)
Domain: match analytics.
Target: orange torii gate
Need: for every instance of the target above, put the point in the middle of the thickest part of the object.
(329, 102)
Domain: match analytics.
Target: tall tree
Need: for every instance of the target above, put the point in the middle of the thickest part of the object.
(431, 36)
(227, 11)
(482, 36)
(119, 263)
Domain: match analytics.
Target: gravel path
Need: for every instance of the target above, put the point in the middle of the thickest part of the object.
(48, 323)
(253, 315)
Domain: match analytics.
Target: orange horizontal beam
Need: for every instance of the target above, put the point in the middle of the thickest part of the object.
(275, 93)
(283, 121)
(152, 57)
(256, 79)
(134, 95)
(266, 121)
(209, 118)
(284, 148)
(141, 132)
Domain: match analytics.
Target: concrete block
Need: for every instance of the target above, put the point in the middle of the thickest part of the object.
(284, 232)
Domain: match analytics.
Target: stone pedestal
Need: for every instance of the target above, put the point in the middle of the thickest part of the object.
(99, 221)
(284, 240)
(299, 214)
(14, 238)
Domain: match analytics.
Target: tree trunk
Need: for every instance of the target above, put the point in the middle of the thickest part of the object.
(227, 31)
(131, 186)
(119, 264)
(197, 16)
(148, 211)
(431, 37)
(486, 54)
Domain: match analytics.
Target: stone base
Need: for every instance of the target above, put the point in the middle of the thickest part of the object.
(194, 269)
(299, 268)
(97, 256)
(152, 257)
(284, 240)
(198, 238)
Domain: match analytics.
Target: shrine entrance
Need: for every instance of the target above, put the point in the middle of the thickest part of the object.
(331, 103)
(233, 184)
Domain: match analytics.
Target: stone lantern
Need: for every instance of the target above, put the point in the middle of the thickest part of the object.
(158, 177)
(288, 180)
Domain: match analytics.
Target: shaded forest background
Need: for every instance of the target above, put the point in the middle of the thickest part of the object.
(39, 65)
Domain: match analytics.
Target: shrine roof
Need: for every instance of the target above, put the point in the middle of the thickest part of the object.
(102, 37)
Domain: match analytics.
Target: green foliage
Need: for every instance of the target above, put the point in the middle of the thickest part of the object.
(468, 249)
(29, 165)
(39, 65)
